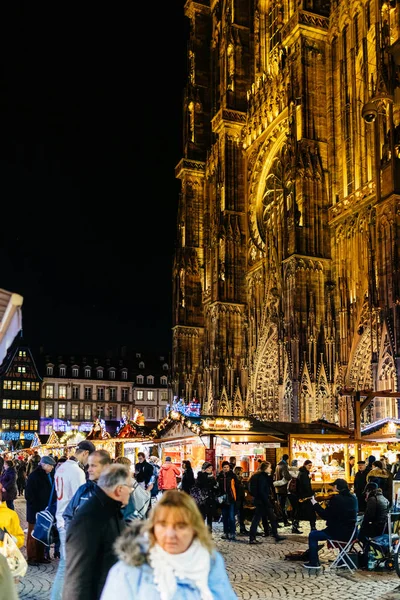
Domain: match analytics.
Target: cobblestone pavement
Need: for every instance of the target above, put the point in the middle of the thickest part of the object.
(259, 572)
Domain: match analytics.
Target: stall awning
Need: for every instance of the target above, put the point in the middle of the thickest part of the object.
(10, 320)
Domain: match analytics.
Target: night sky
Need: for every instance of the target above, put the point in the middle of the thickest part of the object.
(90, 134)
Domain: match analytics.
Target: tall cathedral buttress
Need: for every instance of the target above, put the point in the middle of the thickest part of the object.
(286, 273)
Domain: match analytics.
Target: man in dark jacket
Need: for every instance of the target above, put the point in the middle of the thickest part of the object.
(360, 481)
(143, 470)
(97, 462)
(37, 494)
(227, 484)
(92, 533)
(260, 487)
(282, 474)
(340, 516)
(376, 512)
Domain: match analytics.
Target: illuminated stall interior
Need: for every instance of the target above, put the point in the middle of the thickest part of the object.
(216, 439)
(379, 439)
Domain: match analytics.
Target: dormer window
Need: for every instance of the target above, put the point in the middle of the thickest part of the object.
(124, 374)
(141, 365)
(112, 374)
(87, 371)
(63, 371)
(75, 371)
(140, 379)
(150, 380)
(165, 367)
(163, 380)
(100, 373)
(49, 370)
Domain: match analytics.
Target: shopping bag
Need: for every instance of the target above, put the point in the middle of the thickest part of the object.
(141, 499)
(15, 559)
(42, 532)
(199, 495)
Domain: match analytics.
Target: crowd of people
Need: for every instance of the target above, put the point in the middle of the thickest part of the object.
(105, 546)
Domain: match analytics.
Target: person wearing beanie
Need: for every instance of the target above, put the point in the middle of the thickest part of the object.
(360, 481)
(375, 516)
(340, 516)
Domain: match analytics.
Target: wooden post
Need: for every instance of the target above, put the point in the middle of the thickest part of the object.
(357, 415)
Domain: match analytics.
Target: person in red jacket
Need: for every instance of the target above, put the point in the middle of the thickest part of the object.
(167, 476)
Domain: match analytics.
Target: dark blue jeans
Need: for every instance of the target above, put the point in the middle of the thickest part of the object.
(228, 518)
(313, 539)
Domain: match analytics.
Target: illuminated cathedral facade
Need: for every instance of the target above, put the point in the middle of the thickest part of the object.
(286, 277)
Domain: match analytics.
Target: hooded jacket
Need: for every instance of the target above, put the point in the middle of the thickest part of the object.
(384, 480)
(9, 520)
(9, 483)
(376, 514)
(133, 577)
(167, 476)
(340, 515)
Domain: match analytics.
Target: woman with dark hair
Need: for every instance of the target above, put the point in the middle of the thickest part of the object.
(207, 483)
(240, 498)
(8, 483)
(304, 494)
(187, 476)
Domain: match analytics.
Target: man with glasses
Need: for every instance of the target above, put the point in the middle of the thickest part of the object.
(92, 533)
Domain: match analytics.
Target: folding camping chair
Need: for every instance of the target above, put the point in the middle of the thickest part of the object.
(345, 550)
(382, 547)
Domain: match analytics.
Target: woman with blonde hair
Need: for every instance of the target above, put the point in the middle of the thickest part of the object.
(168, 557)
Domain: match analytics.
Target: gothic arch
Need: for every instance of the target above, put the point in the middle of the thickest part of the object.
(224, 408)
(307, 407)
(265, 378)
(359, 373)
(287, 410)
(324, 403)
(238, 406)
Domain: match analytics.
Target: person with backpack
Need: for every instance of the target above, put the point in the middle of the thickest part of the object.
(259, 488)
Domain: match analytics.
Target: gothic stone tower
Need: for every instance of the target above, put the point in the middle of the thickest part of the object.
(286, 273)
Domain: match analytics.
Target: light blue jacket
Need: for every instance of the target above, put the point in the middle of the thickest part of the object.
(131, 578)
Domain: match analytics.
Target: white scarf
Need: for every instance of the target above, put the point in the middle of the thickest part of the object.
(194, 564)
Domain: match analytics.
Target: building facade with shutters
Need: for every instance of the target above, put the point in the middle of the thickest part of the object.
(287, 266)
(76, 391)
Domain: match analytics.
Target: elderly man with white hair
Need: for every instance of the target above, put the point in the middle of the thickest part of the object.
(92, 533)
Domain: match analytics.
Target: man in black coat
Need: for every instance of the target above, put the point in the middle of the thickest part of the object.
(340, 516)
(143, 470)
(37, 495)
(360, 481)
(92, 532)
(260, 486)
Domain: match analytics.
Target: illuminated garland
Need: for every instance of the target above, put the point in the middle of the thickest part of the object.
(174, 417)
(74, 434)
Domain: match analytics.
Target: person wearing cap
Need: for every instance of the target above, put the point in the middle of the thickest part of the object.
(37, 495)
(340, 516)
(206, 481)
(167, 476)
(360, 481)
(68, 478)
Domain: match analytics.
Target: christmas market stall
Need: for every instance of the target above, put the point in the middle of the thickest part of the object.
(133, 437)
(100, 437)
(51, 445)
(380, 439)
(200, 438)
(327, 445)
